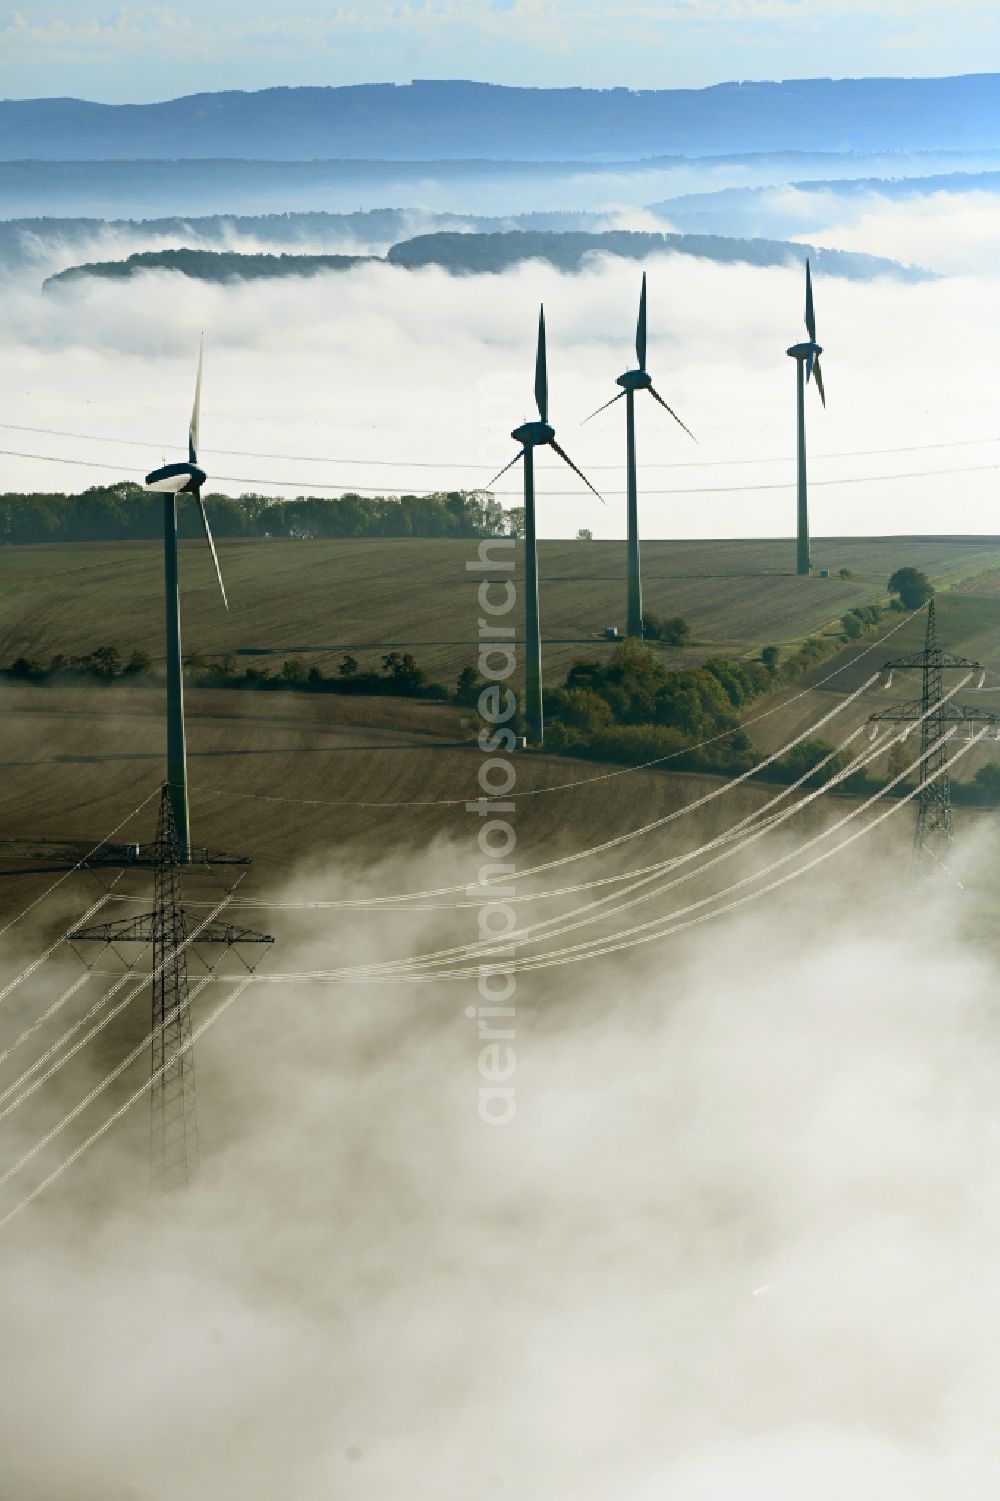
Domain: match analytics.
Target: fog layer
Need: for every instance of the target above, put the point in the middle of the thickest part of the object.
(741, 1236)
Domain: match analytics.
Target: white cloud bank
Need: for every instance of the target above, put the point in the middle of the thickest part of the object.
(428, 372)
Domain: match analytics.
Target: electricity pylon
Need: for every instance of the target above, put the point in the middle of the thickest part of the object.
(934, 836)
(173, 1113)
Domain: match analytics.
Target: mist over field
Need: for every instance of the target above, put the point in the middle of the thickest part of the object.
(740, 1233)
(739, 1239)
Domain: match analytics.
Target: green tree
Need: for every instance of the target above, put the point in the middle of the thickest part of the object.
(769, 656)
(349, 667)
(913, 587)
(402, 668)
(468, 687)
(25, 669)
(987, 782)
(294, 672)
(805, 756)
(898, 761)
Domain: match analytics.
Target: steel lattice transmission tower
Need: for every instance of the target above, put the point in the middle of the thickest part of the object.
(174, 1116)
(173, 1105)
(934, 835)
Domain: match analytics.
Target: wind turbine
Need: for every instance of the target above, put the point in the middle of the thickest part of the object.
(632, 381)
(173, 480)
(806, 357)
(532, 435)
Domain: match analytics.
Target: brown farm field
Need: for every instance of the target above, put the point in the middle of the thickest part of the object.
(321, 599)
(968, 619)
(333, 795)
(76, 759)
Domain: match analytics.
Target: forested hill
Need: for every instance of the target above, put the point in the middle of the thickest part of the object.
(441, 118)
(214, 265)
(495, 252)
(479, 253)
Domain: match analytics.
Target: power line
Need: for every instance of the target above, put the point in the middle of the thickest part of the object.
(81, 862)
(601, 776)
(148, 1084)
(594, 948)
(322, 458)
(654, 928)
(305, 485)
(566, 922)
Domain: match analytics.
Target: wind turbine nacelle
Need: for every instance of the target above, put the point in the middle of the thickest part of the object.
(803, 351)
(635, 380)
(533, 434)
(176, 479)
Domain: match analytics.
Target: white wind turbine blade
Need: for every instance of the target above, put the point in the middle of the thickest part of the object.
(194, 431)
(211, 543)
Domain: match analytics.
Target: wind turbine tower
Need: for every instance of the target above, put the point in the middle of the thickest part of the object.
(806, 357)
(532, 435)
(630, 382)
(173, 480)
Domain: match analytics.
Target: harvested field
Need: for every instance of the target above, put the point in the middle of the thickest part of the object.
(319, 600)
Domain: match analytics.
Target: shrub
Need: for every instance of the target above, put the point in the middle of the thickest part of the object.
(294, 673)
(139, 662)
(103, 662)
(26, 670)
(672, 630)
(803, 757)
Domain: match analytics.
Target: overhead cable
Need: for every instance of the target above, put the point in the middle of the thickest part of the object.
(304, 486)
(449, 464)
(137, 1094)
(82, 861)
(601, 776)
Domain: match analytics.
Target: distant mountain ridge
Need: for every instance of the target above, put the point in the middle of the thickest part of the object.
(428, 119)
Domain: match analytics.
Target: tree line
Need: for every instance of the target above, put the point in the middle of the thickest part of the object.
(126, 512)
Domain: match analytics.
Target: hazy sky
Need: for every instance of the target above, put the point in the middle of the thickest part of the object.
(141, 51)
